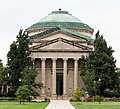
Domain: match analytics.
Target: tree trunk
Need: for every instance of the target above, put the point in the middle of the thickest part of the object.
(20, 101)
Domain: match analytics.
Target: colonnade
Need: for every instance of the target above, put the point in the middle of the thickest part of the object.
(53, 92)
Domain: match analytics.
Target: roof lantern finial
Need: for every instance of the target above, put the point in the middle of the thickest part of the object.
(60, 9)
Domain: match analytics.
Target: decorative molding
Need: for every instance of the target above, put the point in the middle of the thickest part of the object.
(73, 43)
(65, 59)
(54, 59)
(76, 59)
(43, 59)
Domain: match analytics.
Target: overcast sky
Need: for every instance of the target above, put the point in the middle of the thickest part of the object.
(103, 15)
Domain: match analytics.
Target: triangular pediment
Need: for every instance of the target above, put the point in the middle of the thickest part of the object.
(60, 44)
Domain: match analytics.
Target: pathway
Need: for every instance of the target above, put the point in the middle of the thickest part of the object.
(59, 104)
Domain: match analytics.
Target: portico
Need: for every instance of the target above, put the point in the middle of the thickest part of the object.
(58, 72)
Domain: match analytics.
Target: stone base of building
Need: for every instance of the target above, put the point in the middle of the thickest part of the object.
(54, 97)
(43, 96)
(65, 97)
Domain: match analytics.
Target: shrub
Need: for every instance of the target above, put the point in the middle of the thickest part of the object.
(111, 99)
(72, 100)
(77, 94)
(96, 98)
(47, 100)
(7, 98)
(90, 99)
(23, 93)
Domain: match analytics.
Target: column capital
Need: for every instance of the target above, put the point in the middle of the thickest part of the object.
(65, 59)
(43, 59)
(76, 59)
(33, 59)
(54, 59)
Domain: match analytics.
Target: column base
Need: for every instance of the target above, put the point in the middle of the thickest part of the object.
(65, 97)
(43, 96)
(54, 97)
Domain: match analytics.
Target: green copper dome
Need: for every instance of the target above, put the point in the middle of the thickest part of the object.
(59, 16)
(60, 19)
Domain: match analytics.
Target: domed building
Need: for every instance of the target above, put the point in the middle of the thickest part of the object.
(58, 42)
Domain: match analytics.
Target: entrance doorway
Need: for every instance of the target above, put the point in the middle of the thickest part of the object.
(59, 83)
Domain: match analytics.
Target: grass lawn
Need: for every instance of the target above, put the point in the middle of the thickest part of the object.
(27, 105)
(96, 105)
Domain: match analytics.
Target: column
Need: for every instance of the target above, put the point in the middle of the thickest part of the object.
(54, 77)
(33, 60)
(7, 88)
(65, 77)
(2, 91)
(43, 76)
(75, 73)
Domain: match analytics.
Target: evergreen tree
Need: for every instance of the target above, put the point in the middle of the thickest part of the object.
(1, 74)
(23, 93)
(100, 65)
(28, 78)
(18, 58)
(4, 78)
(1, 64)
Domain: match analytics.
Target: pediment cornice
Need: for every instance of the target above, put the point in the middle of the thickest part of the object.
(64, 41)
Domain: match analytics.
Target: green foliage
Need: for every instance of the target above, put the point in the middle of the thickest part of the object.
(23, 93)
(4, 80)
(28, 75)
(77, 94)
(100, 64)
(7, 98)
(89, 99)
(111, 93)
(28, 78)
(1, 72)
(18, 58)
(96, 98)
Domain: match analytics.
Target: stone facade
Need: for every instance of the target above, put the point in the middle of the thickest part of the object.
(59, 59)
(57, 54)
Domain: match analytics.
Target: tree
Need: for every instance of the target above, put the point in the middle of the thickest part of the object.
(18, 58)
(23, 93)
(100, 64)
(28, 77)
(4, 79)
(77, 94)
(1, 74)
